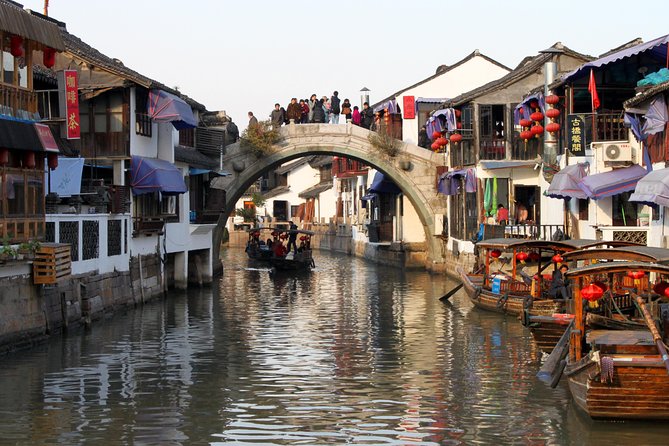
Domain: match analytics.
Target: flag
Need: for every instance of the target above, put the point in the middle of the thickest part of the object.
(592, 88)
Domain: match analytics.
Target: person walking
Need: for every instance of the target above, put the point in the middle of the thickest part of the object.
(313, 101)
(335, 108)
(367, 117)
(276, 117)
(356, 117)
(423, 139)
(252, 119)
(294, 111)
(346, 109)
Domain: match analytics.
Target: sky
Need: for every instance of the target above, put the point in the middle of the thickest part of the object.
(246, 55)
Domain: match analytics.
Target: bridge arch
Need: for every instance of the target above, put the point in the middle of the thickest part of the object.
(413, 170)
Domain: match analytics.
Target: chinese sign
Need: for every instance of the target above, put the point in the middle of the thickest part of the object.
(409, 107)
(576, 142)
(69, 97)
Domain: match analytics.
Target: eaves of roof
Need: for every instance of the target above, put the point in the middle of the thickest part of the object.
(646, 94)
(30, 25)
(194, 158)
(275, 192)
(292, 166)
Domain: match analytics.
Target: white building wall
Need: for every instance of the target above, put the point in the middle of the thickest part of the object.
(141, 145)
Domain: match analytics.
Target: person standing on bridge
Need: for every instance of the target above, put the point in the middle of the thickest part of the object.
(356, 117)
(294, 111)
(326, 109)
(313, 102)
(335, 108)
(305, 111)
(276, 117)
(252, 119)
(367, 117)
(318, 113)
(346, 109)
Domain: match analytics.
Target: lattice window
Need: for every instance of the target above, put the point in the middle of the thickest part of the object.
(69, 233)
(91, 237)
(631, 236)
(50, 233)
(114, 237)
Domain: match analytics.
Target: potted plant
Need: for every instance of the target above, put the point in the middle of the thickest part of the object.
(7, 252)
(28, 249)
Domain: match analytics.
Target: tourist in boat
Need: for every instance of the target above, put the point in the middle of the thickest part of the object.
(559, 288)
(278, 249)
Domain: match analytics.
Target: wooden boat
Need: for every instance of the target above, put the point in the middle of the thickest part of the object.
(618, 374)
(302, 260)
(546, 330)
(501, 291)
(259, 248)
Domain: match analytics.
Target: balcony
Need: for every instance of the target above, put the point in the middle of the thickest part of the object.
(492, 149)
(17, 102)
(607, 126)
(529, 232)
(148, 226)
(48, 105)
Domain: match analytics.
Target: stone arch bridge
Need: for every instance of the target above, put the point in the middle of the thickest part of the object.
(413, 170)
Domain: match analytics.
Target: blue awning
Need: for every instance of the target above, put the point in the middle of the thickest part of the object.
(382, 185)
(166, 107)
(613, 182)
(565, 183)
(149, 175)
(653, 189)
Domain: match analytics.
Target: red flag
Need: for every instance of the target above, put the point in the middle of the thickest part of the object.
(592, 88)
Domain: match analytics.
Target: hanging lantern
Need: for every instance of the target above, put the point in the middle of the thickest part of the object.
(442, 141)
(553, 127)
(49, 57)
(16, 46)
(636, 275)
(458, 113)
(552, 99)
(434, 146)
(661, 288)
(537, 116)
(456, 138)
(4, 157)
(525, 123)
(521, 257)
(29, 160)
(495, 253)
(436, 135)
(525, 135)
(534, 103)
(592, 293)
(534, 256)
(666, 292)
(557, 258)
(552, 113)
(458, 125)
(537, 130)
(52, 160)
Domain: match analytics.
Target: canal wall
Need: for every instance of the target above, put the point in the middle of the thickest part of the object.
(30, 313)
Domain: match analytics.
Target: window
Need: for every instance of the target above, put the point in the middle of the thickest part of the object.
(143, 123)
(156, 205)
(463, 216)
(492, 132)
(583, 205)
(624, 211)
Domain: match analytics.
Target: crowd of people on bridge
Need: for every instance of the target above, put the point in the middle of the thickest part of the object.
(324, 110)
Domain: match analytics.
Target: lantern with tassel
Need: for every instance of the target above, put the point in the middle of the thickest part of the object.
(537, 116)
(495, 253)
(456, 138)
(49, 57)
(537, 130)
(16, 46)
(592, 293)
(52, 160)
(29, 160)
(552, 99)
(525, 123)
(552, 127)
(552, 113)
(525, 135)
(522, 257)
(557, 258)
(4, 157)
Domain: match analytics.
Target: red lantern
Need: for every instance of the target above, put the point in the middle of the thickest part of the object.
(495, 253)
(525, 123)
(458, 125)
(661, 288)
(458, 113)
(4, 157)
(537, 130)
(636, 275)
(534, 103)
(534, 256)
(666, 292)
(592, 292)
(456, 138)
(29, 160)
(525, 134)
(552, 99)
(557, 258)
(521, 257)
(537, 116)
(436, 135)
(16, 46)
(442, 141)
(552, 113)
(49, 57)
(435, 146)
(553, 127)
(52, 159)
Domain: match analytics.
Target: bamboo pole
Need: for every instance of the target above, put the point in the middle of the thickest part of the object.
(653, 330)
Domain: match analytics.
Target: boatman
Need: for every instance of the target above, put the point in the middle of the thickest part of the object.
(560, 284)
(292, 239)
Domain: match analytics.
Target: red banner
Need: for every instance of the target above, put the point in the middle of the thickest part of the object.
(72, 104)
(409, 107)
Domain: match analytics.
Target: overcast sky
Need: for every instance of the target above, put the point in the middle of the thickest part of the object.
(246, 55)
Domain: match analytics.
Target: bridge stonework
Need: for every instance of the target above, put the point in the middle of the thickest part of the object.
(413, 170)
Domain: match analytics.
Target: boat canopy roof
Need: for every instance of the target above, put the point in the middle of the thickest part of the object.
(555, 245)
(635, 253)
(617, 267)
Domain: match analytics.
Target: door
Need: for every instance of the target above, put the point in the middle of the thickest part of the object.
(526, 205)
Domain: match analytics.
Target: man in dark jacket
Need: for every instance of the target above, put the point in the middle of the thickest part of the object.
(252, 120)
(294, 111)
(367, 116)
(335, 108)
(318, 111)
(276, 117)
(231, 132)
(423, 140)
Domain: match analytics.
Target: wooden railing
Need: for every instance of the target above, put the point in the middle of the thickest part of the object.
(17, 102)
(19, 230)
(492, 149)
(530, 232)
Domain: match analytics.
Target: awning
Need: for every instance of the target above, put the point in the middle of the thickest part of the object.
(657, 48)
(149, 175)
(166, 107)
(653, 188)
(613, 182)
(382, 185)
(391, 105)
(314, 191)
(504, 164)
(565, 183)
(431, 100)
(368, 197)
(18, 134)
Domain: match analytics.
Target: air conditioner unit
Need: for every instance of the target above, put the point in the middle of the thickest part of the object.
(614, 151)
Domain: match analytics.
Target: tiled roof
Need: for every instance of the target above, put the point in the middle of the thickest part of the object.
(313, 191)
(194, 158)
(292, 166)
(30, 25)
(276, 191)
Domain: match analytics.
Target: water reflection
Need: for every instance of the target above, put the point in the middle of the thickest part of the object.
(349, 354)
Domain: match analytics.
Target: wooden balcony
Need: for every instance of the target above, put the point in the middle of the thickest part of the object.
(148, 226)
(17, 102)
(19, 230)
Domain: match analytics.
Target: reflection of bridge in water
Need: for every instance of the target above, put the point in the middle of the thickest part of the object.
(413, 169)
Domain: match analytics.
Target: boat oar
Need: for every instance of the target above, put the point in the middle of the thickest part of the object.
(552, 369)
(457, 287)
(653, 330)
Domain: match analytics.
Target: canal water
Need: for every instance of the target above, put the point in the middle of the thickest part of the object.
(352, 353)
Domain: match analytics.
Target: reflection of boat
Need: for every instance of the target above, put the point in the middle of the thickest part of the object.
(285, 258)
(618, 374)
(512, 290)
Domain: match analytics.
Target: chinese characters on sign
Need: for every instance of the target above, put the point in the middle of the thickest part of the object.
(576, 142)
(69, 89)
(409, 107)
